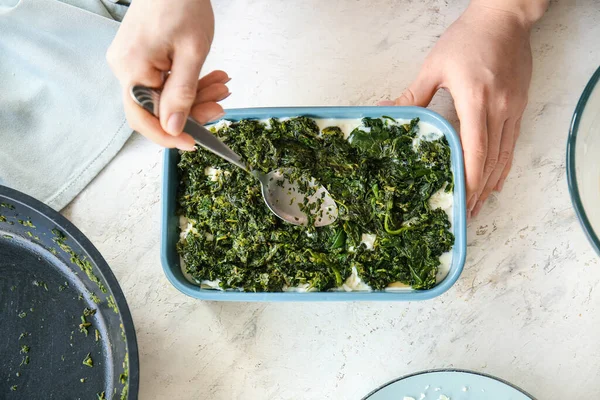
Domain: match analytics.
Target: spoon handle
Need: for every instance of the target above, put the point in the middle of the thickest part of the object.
(149, 99)
(210, 142)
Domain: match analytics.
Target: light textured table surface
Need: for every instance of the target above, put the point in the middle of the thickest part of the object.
(527, 306)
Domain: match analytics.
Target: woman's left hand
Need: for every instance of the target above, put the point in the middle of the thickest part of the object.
(484, 61)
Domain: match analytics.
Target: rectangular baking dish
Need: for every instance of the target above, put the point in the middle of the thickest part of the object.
(170, 220)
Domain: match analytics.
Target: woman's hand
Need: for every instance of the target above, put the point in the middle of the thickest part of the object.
(163, 44)
(484, 60)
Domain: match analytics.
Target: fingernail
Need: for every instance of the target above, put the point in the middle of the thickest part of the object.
(228, 80)
(175, 123)
(224, 97)
(187, 147)
(472, 201)
(385, 103)
(217, 117)
(468, 215)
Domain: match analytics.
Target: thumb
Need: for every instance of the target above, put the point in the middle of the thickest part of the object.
(420, 92)
(179, 92)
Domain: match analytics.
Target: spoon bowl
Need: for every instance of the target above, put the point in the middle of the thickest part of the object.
(283, 197)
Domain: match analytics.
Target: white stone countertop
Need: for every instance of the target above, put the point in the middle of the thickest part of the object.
(527, 306)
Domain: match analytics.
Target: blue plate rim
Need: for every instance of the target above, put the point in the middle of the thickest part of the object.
(435, 370)
(251, 113)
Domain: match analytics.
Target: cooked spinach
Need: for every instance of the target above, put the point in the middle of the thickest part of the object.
(82, 262)
(381, 178)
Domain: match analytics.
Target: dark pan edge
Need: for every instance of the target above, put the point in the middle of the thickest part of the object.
(76, 235)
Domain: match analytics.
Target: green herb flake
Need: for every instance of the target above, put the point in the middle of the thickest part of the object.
(23, 335)
(13, 388)
(83, 327)
(7, 236)
(88, 361)
(381, 178)
(97, 334)
(82, 380)
(6, 205)
(2, 218)
(101, 396)
(112, 304)
(24, 349)
(89, 311)
(22, 314)
(84, 264)
(40, 284)
(24, 361)
(124, 377)
(18, 374)
(13, 288)
(95, 298)
(63, 286)
(26, 223)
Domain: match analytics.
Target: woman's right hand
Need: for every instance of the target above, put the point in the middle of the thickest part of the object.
(163, 44)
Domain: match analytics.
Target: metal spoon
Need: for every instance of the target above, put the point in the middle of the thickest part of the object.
(281, 196)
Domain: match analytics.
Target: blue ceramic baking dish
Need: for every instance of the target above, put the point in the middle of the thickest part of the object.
(170, 220)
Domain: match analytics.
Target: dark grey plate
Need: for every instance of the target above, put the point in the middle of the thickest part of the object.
(43, 294)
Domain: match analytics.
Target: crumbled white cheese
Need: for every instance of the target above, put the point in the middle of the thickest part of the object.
(427, 133)
(222, 124)
(210, 284)
(444, 268)
(442, 199)
(442, 397)
(186, 226)
(410, 221)
(408, 398)
(464, 389)
(300, 288)
(345, 125)
(354, 283)
(369, 240)
(422, 396)
(214, 174)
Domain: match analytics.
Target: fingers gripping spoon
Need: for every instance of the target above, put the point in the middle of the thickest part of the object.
(283, 197)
